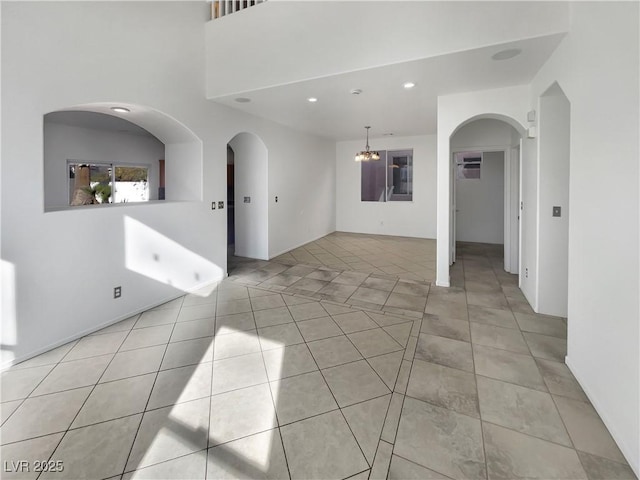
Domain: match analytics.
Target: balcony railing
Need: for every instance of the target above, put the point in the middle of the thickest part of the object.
(221, 8)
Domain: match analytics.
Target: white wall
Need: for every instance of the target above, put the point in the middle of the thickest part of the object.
(454, 111)
(162, 68)
(250, 180)
(65, 142)
(597, 68)
(423, 29)
(409, 219)
(553, 161)
(480, 203)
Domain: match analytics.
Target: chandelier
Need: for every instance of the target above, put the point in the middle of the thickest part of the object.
(366, 154)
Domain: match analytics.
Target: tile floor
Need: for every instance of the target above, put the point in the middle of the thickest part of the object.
(327, 362)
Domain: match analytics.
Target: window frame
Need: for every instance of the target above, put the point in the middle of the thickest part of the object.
(385, 155)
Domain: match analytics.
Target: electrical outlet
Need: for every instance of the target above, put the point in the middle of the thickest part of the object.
(526, 273)
(117, 292)
(220, 205)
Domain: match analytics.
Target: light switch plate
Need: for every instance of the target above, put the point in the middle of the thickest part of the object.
(557, 211)
(213, 205)
(220, 205)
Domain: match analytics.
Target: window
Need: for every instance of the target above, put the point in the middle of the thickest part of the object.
(389, 179)
(469, 165)
(93, 183)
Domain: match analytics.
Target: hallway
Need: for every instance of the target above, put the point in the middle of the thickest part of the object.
(336, 360)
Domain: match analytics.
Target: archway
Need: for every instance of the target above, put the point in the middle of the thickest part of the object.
(250, 196)
(485, 187)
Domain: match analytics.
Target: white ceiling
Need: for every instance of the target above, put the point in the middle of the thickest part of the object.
(384, 103)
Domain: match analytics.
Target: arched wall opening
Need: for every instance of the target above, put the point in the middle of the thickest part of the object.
(250, 192)
(95, 133)
(485, 186)
(553, 226)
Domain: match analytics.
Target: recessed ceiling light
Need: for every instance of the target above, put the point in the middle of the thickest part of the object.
(409, 85)
(312, 99)
(356, 91)
(120, 109)
(506, 54)
(242, 100)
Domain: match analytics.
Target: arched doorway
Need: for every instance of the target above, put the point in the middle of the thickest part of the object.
(247, 162)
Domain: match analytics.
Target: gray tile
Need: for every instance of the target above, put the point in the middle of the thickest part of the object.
(319, 328)
(449, 294)
(385, 320)
(366, 420)
(307, 311)
(333, 351)
(382, 461)
(522, 409)
(237, 322)
(546, 325)
(400, 332)
(512, 455)
(587, 431)
(147, 337)
(338, 290)
(153, 318)
(267, 301)
(354, 321)
(498, 337)
(508, 366)
(444, 351)
(326, 275)
(7, 409)
(406, 302)
(283, 279)
(390, 427)
(379, 283)
(47, 358)
(599, 468)
(74, 374)
(491, 300)
(543, 346)
(403, 377)
(189, 352)
(28, 422)
(199, 298)
(387, 367)
(233, 306)
(235, 344)
(350, 278)
(238, 372)
(272, 316)
(169, 433)
(31, 451)
(259, 456)
(181, 385)
(121, 326)
(445, 387)
(409, 288)
(402, 469)
(192, 329)
(189, 467)
(441, 440)
(301, 397)
(370, 295)
(441, 306)
(288, 361)
(322, 447)
(309, 285)
(560, 380)
(446, 327)
(354, 382)
(134, 362)
(374, 342)
(97, 451)
(492, 316)
(115, 399)
(18, 384)
(95, 345)
(279, 336)
(197, 312)
(240, 413)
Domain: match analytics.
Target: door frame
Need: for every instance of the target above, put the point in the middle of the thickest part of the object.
(512, 181)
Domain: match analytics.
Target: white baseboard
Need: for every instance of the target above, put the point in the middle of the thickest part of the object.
(625, 449)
